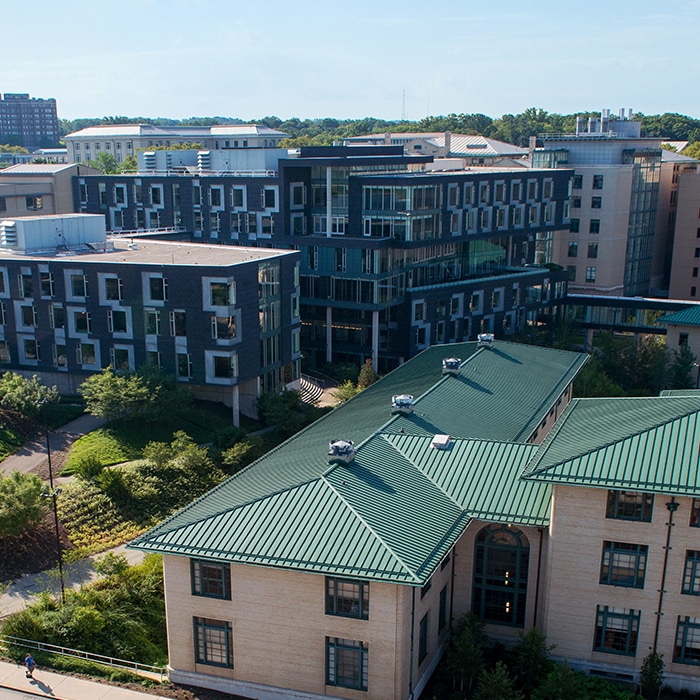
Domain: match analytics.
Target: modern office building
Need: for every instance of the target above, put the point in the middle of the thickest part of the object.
(471, 484)
(685, 264)
(122, 140)
(614, 204)
(32, 189)
(393, 258)
(29, 122)
(224, 321)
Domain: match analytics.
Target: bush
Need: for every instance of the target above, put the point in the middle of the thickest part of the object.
(89, 468)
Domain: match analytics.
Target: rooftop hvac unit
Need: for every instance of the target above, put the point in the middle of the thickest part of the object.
(8, 234)
(149, 160)
(341, 451)
(440, 442)
(451, 365)
(402, 403)
(486, 339)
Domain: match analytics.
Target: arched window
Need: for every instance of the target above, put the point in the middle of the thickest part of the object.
(500, 575)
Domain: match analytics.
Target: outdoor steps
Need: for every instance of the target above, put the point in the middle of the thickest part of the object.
(309, 392)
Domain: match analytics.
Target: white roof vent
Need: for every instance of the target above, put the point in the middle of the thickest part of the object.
(450, 365)
(402, 403)
(486, 339)
(441, 442)
(341, 451)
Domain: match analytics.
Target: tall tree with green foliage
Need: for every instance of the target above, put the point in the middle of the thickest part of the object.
(105, 162)
(530, 659)
(465, 654)
(21, 504)
(497, 684)
(25, 396)
(367, 375)
(651, 675)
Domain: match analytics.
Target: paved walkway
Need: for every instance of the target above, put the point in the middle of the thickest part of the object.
(53, 685)
(33, 454)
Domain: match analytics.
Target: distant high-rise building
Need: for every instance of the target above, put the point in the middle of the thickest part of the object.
(29, 122)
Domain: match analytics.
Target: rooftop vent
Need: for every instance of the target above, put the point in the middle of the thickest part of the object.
(341, 451)
(402, 403)
(441, 442)
(486, 339)
(450, 365)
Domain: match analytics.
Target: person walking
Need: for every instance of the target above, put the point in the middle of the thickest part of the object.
(30, 664)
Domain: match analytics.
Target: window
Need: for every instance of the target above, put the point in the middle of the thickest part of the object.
(116, 321)
(26, 285)
(152, 321)
(178, 323)
(500, 575)
(156, 194)
(31, 349)
(347, 598)
(211, 579)
(221, 294)
(4, 351)
(213, 642)
(269, 198)
(346, 663)
(687, 647)
(425, 588)
(119, 359)
(576, 202)
(224, 366)
(57, 317)
(82, 322)
(691, 575)
(590, 274)
(623, 564)
(216, 196)
(184, 365)
(28, 315)
(119, 194)
(577, 182)
(594, 226)
(592, 250)
(60, 355)
(47, 284)
(238, 198)
(573, 249)
(423, 638)
(85, 354)
(78, 286)
(113, 289)
(571, 269)
(34, 203)
(597, 182)
(442, 616)
(695, 513)
(616, 630)
(158, 288)
(252, 224)
(628, 505)
(223, 327)
(575, 225)
(596, 202)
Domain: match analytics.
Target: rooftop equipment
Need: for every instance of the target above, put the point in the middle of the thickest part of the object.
(341, 451)
(486, 339)
(441, 442)
(450, 365)
(402, 403)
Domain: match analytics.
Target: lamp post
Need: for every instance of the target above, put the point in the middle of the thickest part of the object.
(53, 495)
(697, 379)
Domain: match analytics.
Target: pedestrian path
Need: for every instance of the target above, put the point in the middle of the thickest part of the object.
(54, 685)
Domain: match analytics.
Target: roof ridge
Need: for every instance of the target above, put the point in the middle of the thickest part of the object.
(375, 534)
(530, 473)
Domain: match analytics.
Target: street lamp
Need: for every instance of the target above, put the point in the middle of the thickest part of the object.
(53, 495)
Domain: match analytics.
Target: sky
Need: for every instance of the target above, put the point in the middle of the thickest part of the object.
(389, 59)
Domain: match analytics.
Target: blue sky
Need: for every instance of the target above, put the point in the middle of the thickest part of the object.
(386, 59)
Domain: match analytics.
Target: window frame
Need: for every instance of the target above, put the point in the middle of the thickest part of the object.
(360, 601)
(616, 552)
(357, 649)
(202, 653)
(605, 614)
(201, 583)
(614, 507)
(683, 627)
(690, 584)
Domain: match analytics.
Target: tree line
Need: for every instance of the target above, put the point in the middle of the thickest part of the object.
(511, 128)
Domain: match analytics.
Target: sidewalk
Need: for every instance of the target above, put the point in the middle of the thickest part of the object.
(53, 685)
(33, 454)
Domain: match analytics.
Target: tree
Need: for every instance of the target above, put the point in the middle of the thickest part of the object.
(130, 164)
(367, 375)
(21, 505)
(105, 162)
(692, 150)
(681, 370)
(563, 683)
(651, 674)
(497, 685)
(531, 659)
(243, 453)
(111, 396)
(25, 396)
(345, 391)
(465, 654)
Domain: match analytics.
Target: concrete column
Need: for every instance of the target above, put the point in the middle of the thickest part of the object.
(375, 340)
(589, 339)
(236, 406)
(329, 334)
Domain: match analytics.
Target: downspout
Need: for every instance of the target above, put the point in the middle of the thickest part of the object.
(413, 624)
(672, 507)
(537, 582)
(452, 587)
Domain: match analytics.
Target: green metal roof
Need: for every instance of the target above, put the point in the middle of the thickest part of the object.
(395, 512)
(641, 444)
(686, 317)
